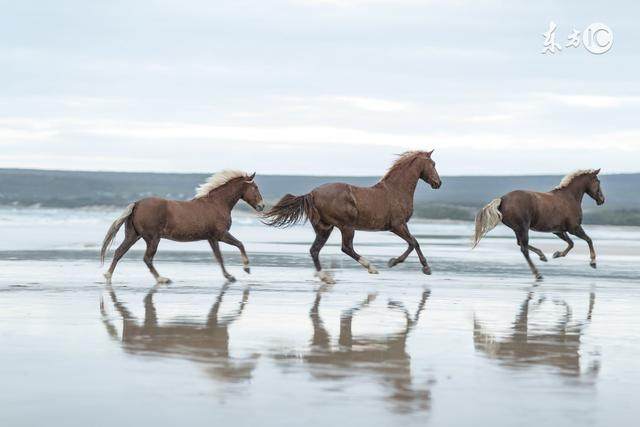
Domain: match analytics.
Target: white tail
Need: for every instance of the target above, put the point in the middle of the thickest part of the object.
(113, 230)
(486, 220)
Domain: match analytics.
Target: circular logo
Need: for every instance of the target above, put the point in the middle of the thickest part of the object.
(597, 38)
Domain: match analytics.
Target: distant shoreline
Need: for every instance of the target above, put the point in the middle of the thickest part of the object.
(459, 198)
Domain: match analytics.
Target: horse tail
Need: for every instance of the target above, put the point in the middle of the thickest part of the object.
(290, 210)
(113, 230)
(486, 220)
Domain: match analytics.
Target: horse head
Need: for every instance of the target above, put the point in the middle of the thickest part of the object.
(594, 190)
(251, 193)
(428, 173)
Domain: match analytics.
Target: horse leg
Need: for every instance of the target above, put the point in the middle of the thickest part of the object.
(152, 247)
(538, 252)
(579, 232)
(216, 251)
(322, 235)
(230, 240)
(564, 236)
(347, 248)
(522, 234)
(403, 233)
(130, 238)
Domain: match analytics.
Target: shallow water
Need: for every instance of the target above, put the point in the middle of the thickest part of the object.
(476, 342)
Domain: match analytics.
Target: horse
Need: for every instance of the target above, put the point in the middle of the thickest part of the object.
(386, 206)
(205, 217)
(558, 211)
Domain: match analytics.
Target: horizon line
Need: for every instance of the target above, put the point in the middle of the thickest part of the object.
(289, 174)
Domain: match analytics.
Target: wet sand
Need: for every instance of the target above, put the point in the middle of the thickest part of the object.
(477, 342)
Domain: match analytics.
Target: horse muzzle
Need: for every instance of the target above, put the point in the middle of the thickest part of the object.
(259, 207)
(435, 185)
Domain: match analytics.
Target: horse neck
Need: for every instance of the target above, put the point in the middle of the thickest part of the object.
(403, 180)
(230, 193)
(575, 189)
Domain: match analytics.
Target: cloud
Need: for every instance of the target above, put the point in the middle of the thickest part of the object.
(591, 101)
(371, 104)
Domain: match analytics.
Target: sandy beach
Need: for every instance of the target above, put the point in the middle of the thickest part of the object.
(478, 341)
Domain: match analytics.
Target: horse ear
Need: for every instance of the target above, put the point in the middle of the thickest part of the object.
(250, 177)
(596, 172)
(429, 153)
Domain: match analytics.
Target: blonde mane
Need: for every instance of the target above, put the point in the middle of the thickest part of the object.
(403, 160)
(573, 175)
(218, 180)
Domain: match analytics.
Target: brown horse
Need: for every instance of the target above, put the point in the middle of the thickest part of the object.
(205, 217)
(387, 206)
(558, 211)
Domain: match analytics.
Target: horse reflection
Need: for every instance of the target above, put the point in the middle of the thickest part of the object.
(384, 358)
(529, 344)
(207, 343)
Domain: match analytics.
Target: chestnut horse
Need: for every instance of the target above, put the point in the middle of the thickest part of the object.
(558, 211)
(387, 206)
(205, 217)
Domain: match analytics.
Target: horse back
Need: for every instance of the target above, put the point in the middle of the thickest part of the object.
(363, 208)
(540, 211)
(180, 220)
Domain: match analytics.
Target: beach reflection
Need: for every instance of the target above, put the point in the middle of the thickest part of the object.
(383, 359)
(205, 342)
(544, 333)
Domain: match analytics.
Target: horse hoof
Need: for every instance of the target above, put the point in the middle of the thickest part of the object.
(543, 258)
(372, 270)
(163, 280)
(426, 270)
(247, 270)
(230, 278)
(392, 262)
(538, 277)
(325, 277)
(107, 276)
(557, 254)
(592, 264)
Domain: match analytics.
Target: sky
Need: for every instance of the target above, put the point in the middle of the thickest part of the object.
(321, 87)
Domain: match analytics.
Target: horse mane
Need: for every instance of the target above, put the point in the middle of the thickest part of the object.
(573, 175)
(217, 180)
(404, 160)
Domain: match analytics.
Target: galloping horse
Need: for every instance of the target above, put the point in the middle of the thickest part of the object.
(206, 217)
(387, 206)
(558, 211)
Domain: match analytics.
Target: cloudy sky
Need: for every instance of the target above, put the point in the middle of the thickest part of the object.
(316, 86)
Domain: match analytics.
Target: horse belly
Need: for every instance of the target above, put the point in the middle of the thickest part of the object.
(550, 219)
(189, 226)
(373, 210)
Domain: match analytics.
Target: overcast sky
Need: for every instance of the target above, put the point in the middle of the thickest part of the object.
(316, 86)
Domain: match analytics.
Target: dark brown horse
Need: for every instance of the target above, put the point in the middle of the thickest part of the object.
(387, 206)
(205, 217)
(558, 211)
